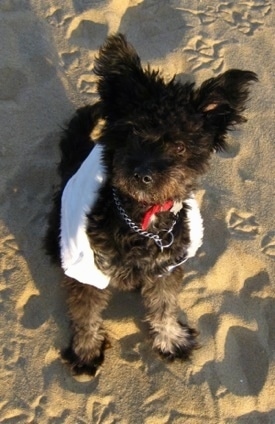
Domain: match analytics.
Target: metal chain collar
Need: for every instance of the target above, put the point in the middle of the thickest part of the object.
(155, 237)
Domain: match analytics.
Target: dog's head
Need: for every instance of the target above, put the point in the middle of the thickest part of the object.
(159, 135)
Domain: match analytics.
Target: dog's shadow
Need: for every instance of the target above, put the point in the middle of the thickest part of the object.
(27, 185)
(27, 198)
(245, 350)
(215, 238)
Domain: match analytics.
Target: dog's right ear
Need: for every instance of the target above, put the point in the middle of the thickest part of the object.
(221, 101)
(121, 77)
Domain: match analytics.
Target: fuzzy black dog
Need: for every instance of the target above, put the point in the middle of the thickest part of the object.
(157, 138)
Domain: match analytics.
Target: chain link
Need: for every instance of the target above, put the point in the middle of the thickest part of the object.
(155, 237)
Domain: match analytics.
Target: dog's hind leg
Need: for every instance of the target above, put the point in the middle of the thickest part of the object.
(171, 338)
(85, 303)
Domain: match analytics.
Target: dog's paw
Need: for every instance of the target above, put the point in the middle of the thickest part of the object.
(80, 365)
(178, 343)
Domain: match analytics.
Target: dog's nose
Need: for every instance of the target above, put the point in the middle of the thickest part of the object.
(143, 176)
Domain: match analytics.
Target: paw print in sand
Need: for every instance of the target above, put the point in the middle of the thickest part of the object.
(203, 52)
(242, 224)
(268, 244)
(245, 17)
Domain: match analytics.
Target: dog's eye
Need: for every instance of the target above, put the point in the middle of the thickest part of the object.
(180, 148)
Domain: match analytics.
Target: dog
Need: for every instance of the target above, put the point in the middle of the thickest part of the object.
(139, 222)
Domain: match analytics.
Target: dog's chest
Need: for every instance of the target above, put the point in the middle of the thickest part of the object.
(162, 244)
(122, 248)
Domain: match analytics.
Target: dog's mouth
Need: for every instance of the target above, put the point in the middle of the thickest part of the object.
(148, 211)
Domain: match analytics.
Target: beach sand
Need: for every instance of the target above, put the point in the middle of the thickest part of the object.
(47, 51)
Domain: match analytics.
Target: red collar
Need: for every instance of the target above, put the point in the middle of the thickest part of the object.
(166, 206)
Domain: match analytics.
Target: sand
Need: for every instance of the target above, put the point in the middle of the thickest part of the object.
(47, 50)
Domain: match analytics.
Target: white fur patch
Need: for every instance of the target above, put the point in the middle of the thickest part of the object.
(195, 226)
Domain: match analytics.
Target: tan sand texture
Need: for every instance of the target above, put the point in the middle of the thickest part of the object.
(47, 50)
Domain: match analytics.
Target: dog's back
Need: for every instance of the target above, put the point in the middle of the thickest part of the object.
(76, 142)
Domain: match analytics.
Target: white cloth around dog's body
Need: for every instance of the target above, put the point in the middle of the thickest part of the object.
(78, 198)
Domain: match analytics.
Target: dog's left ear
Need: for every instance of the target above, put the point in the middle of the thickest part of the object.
(122, 83)
(221, 101)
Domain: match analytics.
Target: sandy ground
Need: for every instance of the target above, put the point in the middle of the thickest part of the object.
(47, 50)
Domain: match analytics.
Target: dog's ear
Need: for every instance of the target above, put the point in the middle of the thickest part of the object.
(221, 101)
(122, 80)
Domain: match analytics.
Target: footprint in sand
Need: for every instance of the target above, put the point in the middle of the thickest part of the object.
(242, 224)
(206, 16)
(55, 17)
(34, 315)
(81, 6)
(268, 244)
(142, 22)
(247, 17)
(205, 52)
(242, 349)
(153, 404)
(43, 412)
(70, 60)
(101, 410)
(87, 33)
(87, 84)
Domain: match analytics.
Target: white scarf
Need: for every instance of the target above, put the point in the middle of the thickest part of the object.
(78, 199)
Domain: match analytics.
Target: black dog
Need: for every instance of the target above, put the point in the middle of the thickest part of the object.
(157, 138)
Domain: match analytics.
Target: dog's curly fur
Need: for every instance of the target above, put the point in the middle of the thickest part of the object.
(158, 137)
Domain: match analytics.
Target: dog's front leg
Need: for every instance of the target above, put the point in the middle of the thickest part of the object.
(172, 338)
(85, 303)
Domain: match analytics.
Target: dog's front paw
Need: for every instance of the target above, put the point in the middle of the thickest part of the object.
(176, 341)
(85, 365)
